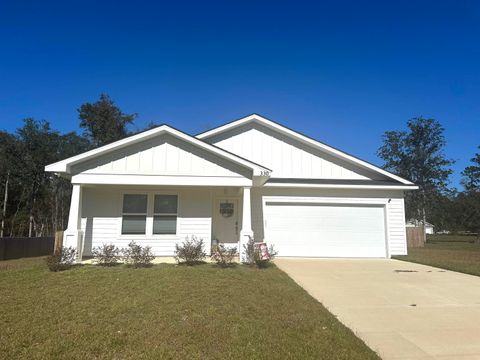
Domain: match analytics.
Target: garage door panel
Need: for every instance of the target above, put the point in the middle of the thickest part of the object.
(326, 230)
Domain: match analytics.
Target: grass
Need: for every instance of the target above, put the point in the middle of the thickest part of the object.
(164, 312)
(452, 252)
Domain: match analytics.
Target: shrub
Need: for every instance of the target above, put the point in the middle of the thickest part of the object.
(255, 255)
(138, 256)
(62, 260)
(224, 256)
(106, 255)
(190, 251)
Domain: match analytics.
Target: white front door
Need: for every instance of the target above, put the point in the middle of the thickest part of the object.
(225, 220)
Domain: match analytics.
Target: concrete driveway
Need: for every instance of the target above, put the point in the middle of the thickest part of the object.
(401, 310)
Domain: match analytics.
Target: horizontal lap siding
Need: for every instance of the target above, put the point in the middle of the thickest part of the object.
(396, 227)
(101, 221)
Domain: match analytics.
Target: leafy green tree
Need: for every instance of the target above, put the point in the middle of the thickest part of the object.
(59, 192)
(103, 122)
(38, 146)
(418, 155)
(44, 196)
(471, 174)
(8, 170)
(466, 212)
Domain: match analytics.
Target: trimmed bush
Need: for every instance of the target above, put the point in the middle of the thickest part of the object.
(190, 251)
(62, 260)
(137, 256)
(258, 256)
(106, 255)
(224, 256)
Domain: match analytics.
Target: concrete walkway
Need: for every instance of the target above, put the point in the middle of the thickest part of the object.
(401, 310)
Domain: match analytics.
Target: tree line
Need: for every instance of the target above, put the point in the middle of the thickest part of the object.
(36, 203)
(418, 154)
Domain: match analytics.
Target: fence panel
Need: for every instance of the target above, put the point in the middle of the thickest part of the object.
(18, 247)
(415, 236)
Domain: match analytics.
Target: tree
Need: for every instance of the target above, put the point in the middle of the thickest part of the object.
(467, 212)
(39, 147)
(471, 174)
(417, 155)
(8, 169)
(103, 122)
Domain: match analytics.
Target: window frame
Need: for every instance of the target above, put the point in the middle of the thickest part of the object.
(150, 214)
(134, 214)
(154, 214)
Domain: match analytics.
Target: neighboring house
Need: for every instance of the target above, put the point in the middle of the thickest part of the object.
(414, 223)
(249, 177)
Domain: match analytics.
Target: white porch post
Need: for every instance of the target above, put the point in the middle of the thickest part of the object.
(246, 232)
(73, 235)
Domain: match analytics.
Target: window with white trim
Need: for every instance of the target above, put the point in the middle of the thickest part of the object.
(165, 209)
(134, 214)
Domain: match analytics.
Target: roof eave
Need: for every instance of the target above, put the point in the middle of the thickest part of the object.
(64, 166)
(344, 186)
(303, 138)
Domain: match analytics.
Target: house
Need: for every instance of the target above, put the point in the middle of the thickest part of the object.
(414, 223)
(250, 177)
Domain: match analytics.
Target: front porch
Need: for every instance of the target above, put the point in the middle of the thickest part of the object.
(159, 217)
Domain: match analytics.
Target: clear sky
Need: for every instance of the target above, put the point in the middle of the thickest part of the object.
(340, 71)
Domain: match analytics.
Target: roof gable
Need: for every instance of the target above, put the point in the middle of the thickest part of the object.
(343, 165)
(164, 155)
(119, 154)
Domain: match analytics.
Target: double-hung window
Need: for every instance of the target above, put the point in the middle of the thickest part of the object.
(165, 214)
(134, 216)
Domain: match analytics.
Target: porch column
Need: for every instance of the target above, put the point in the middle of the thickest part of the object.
(73, 236)
(246, 232)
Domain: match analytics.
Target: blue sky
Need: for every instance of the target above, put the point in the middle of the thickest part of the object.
(340, 71)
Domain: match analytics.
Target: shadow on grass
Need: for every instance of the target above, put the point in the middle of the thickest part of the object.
(192, 263)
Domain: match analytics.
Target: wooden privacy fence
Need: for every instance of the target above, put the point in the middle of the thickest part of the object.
(18, 247)
(415, 236)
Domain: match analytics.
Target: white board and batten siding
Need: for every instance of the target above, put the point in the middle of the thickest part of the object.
(102, 219)
(286, 157)
(162, 156)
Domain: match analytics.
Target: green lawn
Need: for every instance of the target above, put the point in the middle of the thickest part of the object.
(451, 252)
(164, 312)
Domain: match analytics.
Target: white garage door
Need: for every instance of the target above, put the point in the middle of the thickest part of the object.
(325, 230)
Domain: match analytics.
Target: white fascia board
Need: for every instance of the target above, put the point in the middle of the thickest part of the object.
(343, 186)
(107, 179)
(304, 139)
(230, 125)
(63, 166)
(324, 200)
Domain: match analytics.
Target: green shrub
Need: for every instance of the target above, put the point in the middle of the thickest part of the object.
(223, 256)
(190, 251)
(253, 254)
(106, 255)
(138, 256)
(62, 260)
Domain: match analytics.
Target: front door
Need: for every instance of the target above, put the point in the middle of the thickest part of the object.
(226, 224)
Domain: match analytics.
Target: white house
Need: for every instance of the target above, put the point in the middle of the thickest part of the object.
(414, 223)
(249, 177)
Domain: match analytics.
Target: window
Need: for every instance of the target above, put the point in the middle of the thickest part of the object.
(165, 214)
(134, 218)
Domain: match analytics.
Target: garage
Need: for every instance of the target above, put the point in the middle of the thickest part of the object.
(326, 229)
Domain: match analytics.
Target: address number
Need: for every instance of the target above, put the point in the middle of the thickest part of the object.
(264, 173)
